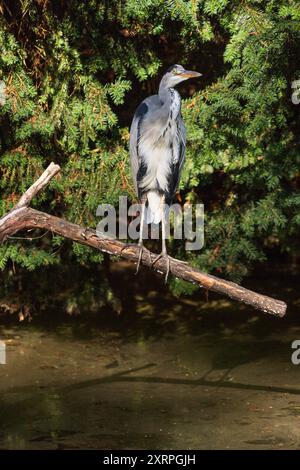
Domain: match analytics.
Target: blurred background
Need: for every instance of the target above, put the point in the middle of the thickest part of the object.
(74, 73)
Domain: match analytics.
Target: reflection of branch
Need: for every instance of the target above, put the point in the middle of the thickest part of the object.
(23, 217)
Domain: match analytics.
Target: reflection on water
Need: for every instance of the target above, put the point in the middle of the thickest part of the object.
(170, 375)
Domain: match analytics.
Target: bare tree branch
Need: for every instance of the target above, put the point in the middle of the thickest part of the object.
(43, 180)
(24, 217)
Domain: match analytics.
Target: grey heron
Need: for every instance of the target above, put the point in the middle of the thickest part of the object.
(157, 152)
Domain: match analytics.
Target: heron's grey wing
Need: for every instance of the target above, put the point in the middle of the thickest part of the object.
(140, 123)
(178, 160)
(135, 131)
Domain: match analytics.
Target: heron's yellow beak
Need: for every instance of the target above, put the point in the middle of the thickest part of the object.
(190, 74)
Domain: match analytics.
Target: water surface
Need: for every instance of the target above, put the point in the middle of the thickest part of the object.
(172, 374)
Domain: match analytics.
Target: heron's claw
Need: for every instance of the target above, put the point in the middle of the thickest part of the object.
(142, 248)
(167, 258)
(176, 260)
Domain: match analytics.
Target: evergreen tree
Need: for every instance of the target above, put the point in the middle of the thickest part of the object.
(75, 71)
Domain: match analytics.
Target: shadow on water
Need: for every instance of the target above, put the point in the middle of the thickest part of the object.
(123, 377)
(165, 373)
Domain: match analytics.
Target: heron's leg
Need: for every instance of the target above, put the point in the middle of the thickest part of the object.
(164, 253)
(163, 241)
(141, 243)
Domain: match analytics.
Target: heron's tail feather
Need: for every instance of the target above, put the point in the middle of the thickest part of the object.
(154, 209)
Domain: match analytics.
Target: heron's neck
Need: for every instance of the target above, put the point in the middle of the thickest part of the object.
(169, 98)
(164, 93)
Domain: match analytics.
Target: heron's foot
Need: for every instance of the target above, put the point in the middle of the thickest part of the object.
(145, 250)
(167, 258)
(176, 260)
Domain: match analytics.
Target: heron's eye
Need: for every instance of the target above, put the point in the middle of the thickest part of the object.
(175, 72)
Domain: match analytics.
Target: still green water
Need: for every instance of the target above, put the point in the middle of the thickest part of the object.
(170, 374)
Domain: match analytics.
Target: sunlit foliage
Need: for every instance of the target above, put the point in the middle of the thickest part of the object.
(75, 71)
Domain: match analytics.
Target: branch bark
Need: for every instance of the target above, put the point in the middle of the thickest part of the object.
(23, 217)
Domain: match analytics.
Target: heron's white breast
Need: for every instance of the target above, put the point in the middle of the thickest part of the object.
(158, 158)
(159, 147)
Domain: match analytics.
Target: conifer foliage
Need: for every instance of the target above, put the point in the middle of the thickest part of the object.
(75, 71)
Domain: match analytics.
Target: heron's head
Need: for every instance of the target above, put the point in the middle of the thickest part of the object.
(176, 74)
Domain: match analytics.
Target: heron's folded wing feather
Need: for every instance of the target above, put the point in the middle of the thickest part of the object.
(178, 162)
(150, 117)
(135, 132)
